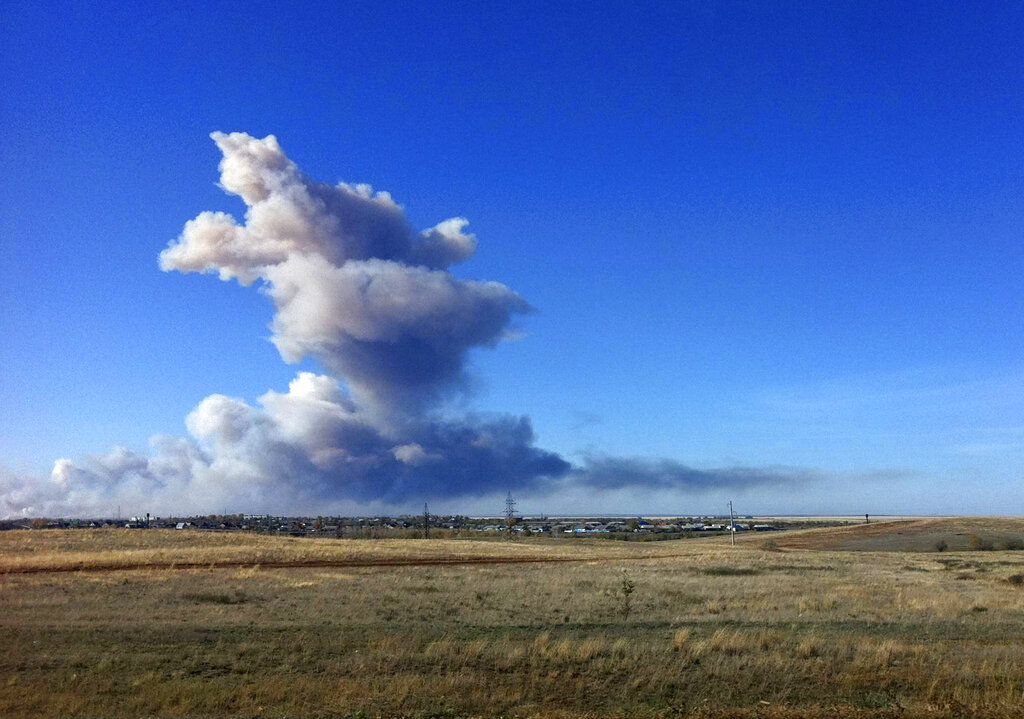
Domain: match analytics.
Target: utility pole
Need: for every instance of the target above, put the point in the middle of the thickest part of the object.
(510, 512)
(732, 524)
(426, 522)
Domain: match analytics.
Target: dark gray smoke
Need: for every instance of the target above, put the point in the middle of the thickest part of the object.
(612, 473)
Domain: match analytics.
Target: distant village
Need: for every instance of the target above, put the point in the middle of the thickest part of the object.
(436, 525)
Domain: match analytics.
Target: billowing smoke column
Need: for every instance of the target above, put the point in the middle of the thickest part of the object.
(353, 284)
(372, 300)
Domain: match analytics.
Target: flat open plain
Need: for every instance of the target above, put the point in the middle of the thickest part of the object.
(864, 621)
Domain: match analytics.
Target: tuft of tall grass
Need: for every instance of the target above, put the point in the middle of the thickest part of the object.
(680, 639)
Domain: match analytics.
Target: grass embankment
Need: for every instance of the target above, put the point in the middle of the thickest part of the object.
(912, 535)
(710, 630)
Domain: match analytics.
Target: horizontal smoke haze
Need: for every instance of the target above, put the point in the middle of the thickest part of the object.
(372, 300)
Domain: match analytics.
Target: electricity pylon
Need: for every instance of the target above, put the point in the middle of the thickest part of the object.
(510, 512)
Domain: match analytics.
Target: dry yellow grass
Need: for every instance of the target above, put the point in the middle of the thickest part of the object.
(121, 548)
(713, 631)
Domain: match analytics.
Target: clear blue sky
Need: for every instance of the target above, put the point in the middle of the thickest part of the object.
(764, 235)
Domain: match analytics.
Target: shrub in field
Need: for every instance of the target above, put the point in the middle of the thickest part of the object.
(1016, 579)
(1015, 544)
(976, 543)
(941, 546)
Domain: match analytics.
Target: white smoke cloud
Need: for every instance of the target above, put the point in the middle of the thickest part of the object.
(354, 286)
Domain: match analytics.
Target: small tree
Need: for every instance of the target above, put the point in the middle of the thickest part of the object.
(626, 589)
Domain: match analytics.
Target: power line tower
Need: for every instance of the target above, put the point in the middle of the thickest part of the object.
(510, 513)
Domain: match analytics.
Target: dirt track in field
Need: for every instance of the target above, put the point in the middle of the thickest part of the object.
(326, 563)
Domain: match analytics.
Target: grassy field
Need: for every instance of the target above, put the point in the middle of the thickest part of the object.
(150, 623)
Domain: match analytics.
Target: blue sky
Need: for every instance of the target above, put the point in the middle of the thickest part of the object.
(768, 235)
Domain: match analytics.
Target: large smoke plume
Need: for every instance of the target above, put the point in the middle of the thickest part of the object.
(371, 298)
(353, 284)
